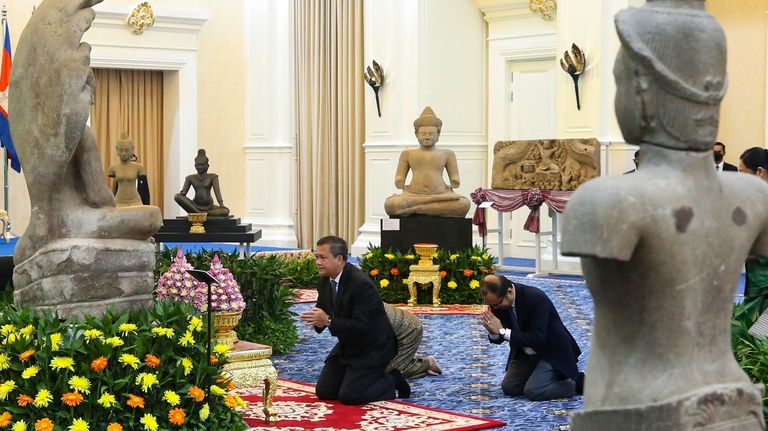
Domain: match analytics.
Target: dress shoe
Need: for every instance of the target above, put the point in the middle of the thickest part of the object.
(401, 385)
(580, 383)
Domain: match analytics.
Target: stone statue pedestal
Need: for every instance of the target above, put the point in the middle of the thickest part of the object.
(716, 408)
(85, 276)
(449, 233)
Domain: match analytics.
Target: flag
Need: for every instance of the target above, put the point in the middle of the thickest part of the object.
(5, 125)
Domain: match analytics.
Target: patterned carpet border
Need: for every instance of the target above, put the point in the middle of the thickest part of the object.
(298, 408)
(304, 296)
(469, 309)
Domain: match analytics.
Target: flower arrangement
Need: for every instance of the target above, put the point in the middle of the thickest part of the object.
(460, 272)
(142, 370)
(176, 284)
(225, 294)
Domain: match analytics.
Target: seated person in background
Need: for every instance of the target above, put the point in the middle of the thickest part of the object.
(427, 193)
(126, 174)
(409, 330)
(542, 353)
(202, 182)
(349, 305)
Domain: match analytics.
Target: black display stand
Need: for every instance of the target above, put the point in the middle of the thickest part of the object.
(449, 233)
(217, 229)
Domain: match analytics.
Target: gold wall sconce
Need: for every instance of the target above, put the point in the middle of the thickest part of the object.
(574, 64)
(142, 18)
(374, 76)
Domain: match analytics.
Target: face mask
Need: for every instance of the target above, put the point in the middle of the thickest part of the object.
(718, 157)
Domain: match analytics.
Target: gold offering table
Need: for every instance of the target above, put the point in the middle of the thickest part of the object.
(248, 365)
(425, 272)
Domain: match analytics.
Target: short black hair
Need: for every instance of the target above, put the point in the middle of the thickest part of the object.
(498, 288)
(637, 153)
(336, 245)
(720, 144)
(754, 158)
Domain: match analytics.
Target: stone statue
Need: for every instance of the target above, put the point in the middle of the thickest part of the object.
(80, 254)
(651, 243)
(127, 173)
(427, 193)
(202, 182)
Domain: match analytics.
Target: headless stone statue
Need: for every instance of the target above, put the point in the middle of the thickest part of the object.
(202, 182)
(652, 244)
(80, 254)
(126, 173)
(427, 193)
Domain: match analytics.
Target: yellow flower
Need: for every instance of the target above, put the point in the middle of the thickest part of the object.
(20, 426)
(477, 258)
(129, 360)
(384, 283)
(452, 284)
(5, 362)
(453, 257)
(409, 256)
(107, 400)
(114, 341)
(78, 425)
(11, 338)
(55, 341)
(474, 284)
(92, 334)
(221, 349)
(485, 257)
(43, 398)
(163, 332)
(368, 255)
(240, 401)
(171, 398)
(127, 328)
(216, 390)
(30, 372)
(205, 412)
(149, 422)
(80, 384)
(7, 329)
(6, 388)
(62, 362)
(187, 364)
(146, 380)
(389, 256)
(195, 324)
(27, 330)
(187, 339)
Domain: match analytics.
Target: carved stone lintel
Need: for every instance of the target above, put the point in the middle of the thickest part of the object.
(141, 18)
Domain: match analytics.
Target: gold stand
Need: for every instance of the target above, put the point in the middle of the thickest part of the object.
(248, 366)
(197, 220)
(425, 272)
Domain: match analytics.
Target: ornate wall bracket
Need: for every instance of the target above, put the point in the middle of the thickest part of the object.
(142, 18)
(544, 8)
(374, 76)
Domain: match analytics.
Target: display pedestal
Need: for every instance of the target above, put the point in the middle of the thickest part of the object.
(248, 366)
(217, 229)
(449, 233)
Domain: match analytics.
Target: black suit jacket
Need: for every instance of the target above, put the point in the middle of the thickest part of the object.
(541, 329)
(358, 320)
(729, 167)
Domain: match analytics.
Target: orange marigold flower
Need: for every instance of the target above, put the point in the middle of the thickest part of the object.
(114, 426)
(468, 273)
(152, 361)
(374, 272)
(176, 416)
(24, 356)
(134, 401)
(231, 386)
(99, 364)
(394, 271)
(196, 393)
(213, 359)
(230, 401)
(5, 419)
(72, 399)
(24, 400)
(443, 274)
(44, 424)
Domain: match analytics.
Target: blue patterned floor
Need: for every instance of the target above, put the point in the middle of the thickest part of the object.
(472, 367)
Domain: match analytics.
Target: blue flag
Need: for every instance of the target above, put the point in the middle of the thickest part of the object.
(5, 125)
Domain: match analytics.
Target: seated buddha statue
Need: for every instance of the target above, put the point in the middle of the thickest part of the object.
(202, 182)
(427, 193)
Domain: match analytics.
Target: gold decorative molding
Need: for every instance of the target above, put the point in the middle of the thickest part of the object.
(544, 8)
(141, 18)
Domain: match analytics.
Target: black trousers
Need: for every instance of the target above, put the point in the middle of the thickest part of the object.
(352, 385)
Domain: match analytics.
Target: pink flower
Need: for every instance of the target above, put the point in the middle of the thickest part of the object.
(169, 284)
(226, 294)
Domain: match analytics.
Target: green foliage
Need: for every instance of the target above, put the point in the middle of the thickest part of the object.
(750, 352)
(267, 283)
(461, 273)
(97, 363)
(6, 294)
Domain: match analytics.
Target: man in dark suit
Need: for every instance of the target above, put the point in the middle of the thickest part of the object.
(542, 358)
(349, 305)
(718, 151)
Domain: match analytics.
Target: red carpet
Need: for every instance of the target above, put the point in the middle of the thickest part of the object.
(298, 409)
(305, 295)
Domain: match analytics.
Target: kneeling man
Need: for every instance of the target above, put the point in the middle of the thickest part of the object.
(349, 305)
(542, 357)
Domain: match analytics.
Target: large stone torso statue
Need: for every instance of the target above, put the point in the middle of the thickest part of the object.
(79, 253)
(202, 182)
(427, 193)
(662, 249)
(126, 173)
